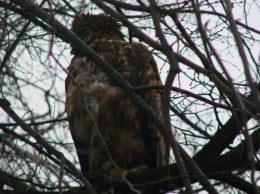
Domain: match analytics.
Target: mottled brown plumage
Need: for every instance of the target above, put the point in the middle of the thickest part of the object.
(132, 139)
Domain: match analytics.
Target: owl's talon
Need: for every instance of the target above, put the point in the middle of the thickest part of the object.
(118, 173)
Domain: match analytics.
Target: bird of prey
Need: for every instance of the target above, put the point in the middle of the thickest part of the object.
(94, 102)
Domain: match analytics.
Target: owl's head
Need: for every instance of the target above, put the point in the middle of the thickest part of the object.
(93, 27)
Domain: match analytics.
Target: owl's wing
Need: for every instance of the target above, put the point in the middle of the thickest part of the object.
(148, 74)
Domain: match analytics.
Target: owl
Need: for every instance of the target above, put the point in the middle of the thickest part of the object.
(100, 112)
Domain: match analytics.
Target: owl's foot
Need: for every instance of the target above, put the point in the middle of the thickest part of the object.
(119, 174)
(137, 169)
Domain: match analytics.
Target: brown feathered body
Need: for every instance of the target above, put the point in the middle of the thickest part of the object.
(130, 136)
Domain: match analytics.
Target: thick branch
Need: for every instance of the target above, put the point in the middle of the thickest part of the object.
(222, 138)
